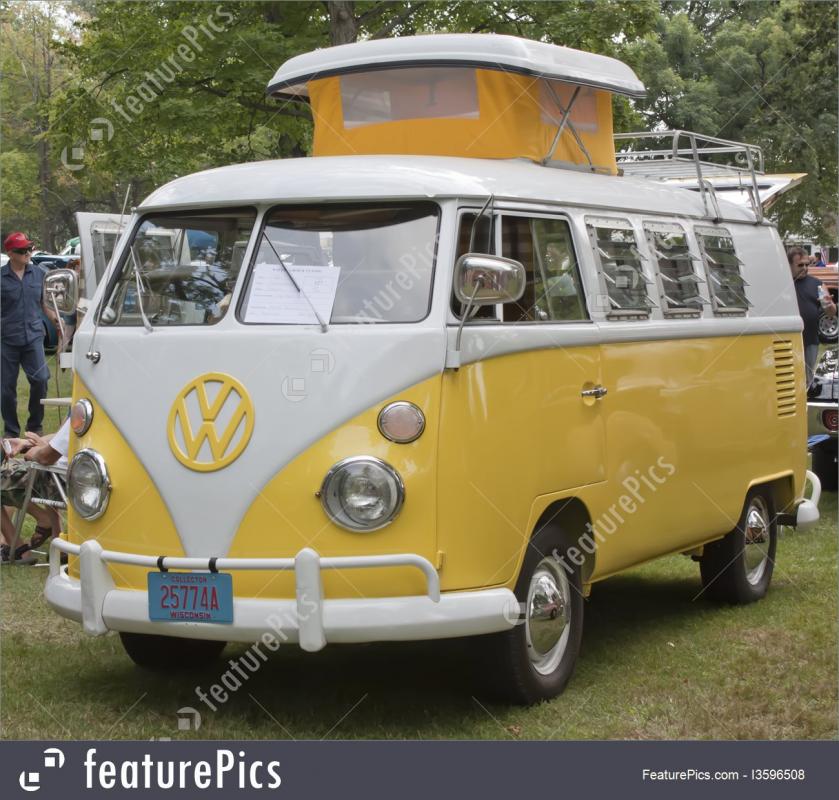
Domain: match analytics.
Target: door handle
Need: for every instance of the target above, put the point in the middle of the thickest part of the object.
(597, 392)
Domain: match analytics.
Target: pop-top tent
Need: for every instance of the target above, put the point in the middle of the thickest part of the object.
(472, 95)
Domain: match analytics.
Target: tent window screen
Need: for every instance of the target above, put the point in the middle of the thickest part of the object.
(679, 282)
(583, 114)
(621, 266)
(728, 289)
(390, 95)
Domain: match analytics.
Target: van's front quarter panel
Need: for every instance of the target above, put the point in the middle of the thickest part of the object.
(264, 503)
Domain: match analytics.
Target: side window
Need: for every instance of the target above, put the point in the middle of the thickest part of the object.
(621, 266)
(553, 291)
(475, 238)
(678, 281)
(728, 291)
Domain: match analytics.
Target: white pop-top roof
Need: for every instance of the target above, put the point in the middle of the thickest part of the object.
(335, 178)
(480, 50)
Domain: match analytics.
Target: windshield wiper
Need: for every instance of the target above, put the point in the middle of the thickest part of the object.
(146, 324)
(323, 326)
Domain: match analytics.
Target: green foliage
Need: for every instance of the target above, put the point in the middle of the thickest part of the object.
(182, 84)
(759, 72)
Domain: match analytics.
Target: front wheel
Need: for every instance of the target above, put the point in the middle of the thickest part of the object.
(169, 652)
(534, 660)
(737, 569)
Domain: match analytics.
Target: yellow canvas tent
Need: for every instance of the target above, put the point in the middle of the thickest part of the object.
(479, 96)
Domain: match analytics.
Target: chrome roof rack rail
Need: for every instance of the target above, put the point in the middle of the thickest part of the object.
(681, 154)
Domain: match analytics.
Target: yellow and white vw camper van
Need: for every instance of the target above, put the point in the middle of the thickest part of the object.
(436, 380)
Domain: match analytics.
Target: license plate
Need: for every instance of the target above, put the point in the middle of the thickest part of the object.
(191, 597)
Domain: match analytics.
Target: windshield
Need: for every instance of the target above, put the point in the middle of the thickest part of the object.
(180, 269)
(344, 264)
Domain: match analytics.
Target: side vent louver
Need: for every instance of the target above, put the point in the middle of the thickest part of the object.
(784, 377)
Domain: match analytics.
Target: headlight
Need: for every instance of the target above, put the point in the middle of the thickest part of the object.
(362, 493)
(81, 416)
(88, 486)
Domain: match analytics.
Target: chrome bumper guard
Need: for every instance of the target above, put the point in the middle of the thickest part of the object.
(309, 619)
(807, 510)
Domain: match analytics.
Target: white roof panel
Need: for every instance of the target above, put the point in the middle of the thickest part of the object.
(335, 178)
(480, 50)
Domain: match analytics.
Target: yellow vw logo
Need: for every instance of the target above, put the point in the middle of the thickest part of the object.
(211, 422)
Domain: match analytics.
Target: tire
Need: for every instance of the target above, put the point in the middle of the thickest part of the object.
(169, 652)
(737, 569)
(828, 329)
(824, 465)
(522, 671)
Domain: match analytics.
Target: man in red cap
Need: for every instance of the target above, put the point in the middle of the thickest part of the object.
(22, 334)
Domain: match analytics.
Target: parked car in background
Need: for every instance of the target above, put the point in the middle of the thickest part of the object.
(823, 419)
(51, 261)
(828, 326)
(72, 247)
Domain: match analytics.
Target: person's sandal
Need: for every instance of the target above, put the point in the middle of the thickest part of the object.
(40, 537)
(23, 555)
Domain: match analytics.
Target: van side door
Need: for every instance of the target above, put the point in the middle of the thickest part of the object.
(521, 417)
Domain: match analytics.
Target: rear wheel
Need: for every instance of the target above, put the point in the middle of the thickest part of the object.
(170, 652)
(534, 660)
(738, 568)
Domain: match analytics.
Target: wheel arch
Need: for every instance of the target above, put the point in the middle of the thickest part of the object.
(569, 517)
(781, 488)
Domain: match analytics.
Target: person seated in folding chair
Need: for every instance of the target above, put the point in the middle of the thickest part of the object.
(45, 450)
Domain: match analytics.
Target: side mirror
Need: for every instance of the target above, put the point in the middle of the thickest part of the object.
(485, 280)
(62, 289)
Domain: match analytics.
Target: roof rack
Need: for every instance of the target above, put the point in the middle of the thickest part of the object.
(683, 155)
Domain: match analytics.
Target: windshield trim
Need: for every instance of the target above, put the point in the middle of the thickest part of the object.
(125, 254)
(245, 275)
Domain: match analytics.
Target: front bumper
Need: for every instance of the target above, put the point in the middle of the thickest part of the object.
(309, 620)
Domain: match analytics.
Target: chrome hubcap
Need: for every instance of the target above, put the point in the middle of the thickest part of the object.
(757, 535)
(548, 616)
(828, 326)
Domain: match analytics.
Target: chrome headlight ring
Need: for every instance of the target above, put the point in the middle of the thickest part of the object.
(88, 460)
(384, 485)
(81, 416)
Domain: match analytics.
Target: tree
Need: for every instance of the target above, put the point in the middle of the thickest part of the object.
(34, 198)
(159, 89)
(763, 73)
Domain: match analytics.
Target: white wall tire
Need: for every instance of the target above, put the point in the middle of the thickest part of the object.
(535, 660)
(738, 568)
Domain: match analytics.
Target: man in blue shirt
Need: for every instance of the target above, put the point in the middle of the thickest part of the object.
(22, 334)
(811, 304)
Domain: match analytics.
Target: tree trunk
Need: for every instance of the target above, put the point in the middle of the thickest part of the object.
(343, 27)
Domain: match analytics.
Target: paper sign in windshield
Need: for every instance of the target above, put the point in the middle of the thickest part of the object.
(274, 298)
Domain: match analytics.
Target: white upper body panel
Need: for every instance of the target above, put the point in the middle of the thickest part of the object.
(484, 51)
(382, 177)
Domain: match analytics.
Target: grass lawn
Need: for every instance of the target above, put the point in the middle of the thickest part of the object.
(656, 663)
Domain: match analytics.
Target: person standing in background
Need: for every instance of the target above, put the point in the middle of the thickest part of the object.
(22, 334)
(812, 300)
